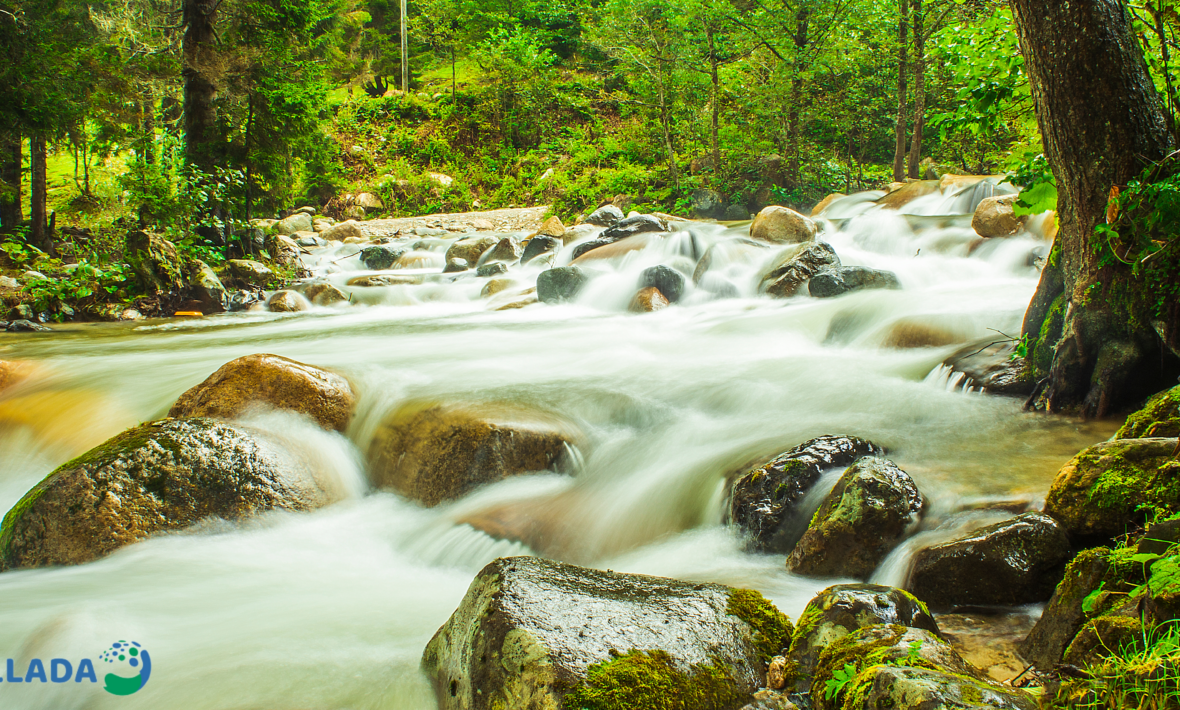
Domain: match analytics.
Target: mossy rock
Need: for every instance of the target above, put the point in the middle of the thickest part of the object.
(1113, 487)
(1063, 616)
(1104, 636)
(864, 517)
(157, 265)
(431, 453)
(1160, 417)
(157, 477)
(534, 633)
(1163, 590)
(907, 688)
(764, 501)
(270, 381)
(842, 609)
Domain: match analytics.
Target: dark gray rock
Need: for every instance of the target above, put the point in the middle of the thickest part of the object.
(635, 225)
(605, 216)
(561, 284)
(592, 245)
(669, 281)
(846, 279)
(763, 499)
(27, 326)
(242, 300)
(1064, 616)
(736, 213)
(1017, 561)
(991, 365)
(708, 203)
(380, 257)
(493, 269)
(796, 266)
(538, 246)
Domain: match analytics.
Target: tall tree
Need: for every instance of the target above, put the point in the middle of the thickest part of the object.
(1102, 123)
(11, 213)
(901, 129)
(919, 89)
(201, 68)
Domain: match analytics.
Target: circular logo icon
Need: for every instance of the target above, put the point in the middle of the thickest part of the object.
(132, 666)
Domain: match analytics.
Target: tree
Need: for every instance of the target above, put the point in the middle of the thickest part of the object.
(903, 46)
(203, 143)
(919, 89)
(1102, 124)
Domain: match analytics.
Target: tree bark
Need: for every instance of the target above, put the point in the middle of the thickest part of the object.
(11, 211)
(900, 131)
(39, 235)
(714, 75)
(919, 89)
(202, 142)
(1101, 123)
(802, 20)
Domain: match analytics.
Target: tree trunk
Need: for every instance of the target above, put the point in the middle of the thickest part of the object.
(202, 143)
(1101, 122)
(919, 90)
(715, 76)
(405, 48)
(39, 236)
(11, 211)
(902, 67)
(802, 19)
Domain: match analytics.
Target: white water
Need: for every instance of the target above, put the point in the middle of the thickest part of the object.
(332, 609)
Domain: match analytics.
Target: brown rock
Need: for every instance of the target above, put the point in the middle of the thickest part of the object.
(907, 193)
(287, 302)
(782, 226)
(271, 380)
(494, 286)
(529, 299)
(619, 248)
(376, 281)
(470, 249)
(552, 227)
(825, 203)
(648, 300)
(996, 217)
(343, 231)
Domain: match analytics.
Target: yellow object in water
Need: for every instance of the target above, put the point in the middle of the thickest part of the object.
(189, 314)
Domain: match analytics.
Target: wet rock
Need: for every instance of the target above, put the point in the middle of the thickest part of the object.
(781, 225)
(245, 300)
(157, 477)
(648, 300)
(542, 634)
(490, 270)
(507, 249)
(842, 609)
(907, 687)
(1101, 637)
(602, 248)
(27, 326)
(846, 279)
(995, 217)
(864, 517)
(1064, 616)
(1160, 417)
(377, 281)
(528, 300)
(736, 213)
(205, 288)
(796, 266)
(908, 192)
(272, 381)
(455, 266)
(431, 453)
(380, 257)
(763, 499)
(561, 284)
(637, 224)
(491, 288)
(605, 216)
(928, 332)
(667, 280)
(323, 293)
(1017, 561)
(249, 272)
(991, 366)
(287, 302)
(1105, 490)
(154, 260)
(539, 246)
(342, 231)
(470, 249)
(298, 222)
(825, 203)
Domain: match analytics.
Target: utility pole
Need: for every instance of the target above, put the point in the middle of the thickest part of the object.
(405, 53)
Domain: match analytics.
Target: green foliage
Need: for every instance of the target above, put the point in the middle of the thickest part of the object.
(772, 628)
(1143, 673)
(1040, 186)
(840, 679)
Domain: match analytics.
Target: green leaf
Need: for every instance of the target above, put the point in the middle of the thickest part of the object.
(1090, 603)
(1039, 198)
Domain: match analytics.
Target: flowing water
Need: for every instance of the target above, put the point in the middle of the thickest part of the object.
(332, 609)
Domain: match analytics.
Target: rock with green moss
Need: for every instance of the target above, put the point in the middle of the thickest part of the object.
(771, 700)
(882, 644)
(842, 609)
(1113, 487)
(1016, 561)
(1064, 615)
(157, 477)
(534, 633)
(764, 502)
(908, 688)
(1105, 636)
(1163, 590)
(157, 265)
(1160, 417)
(1040, 354)
(864, 517)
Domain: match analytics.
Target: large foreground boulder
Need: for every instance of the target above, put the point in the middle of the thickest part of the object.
(781, 225)
(273, 381)
(996, 217)
(1017, 561)
(160, 476)
(795, 266)
(432, 453)
(864, 517)
(763, 499)
(533, 633)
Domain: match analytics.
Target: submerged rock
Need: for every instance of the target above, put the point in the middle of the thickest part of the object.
(864, 517)
(781, 225)
(1017, 561)
(533, 633)
(763, 499)
(1160, 417)
(561, 284)
(157, 477)
(605, 216)
(648, 300)
(432, 453)
(846, 279)
(667, 280)
(272, 381)
(796, 266)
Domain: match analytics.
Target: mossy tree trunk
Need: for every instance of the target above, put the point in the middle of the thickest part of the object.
(202, 143)
(902, 67)
(11, 213)
(1102, 123)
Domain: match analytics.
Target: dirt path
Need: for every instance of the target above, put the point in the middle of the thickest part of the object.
(507, 220)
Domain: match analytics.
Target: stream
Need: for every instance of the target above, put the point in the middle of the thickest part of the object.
(332, 609)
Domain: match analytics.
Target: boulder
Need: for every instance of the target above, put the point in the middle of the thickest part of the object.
(381, 257)
(669, 281)
(995, 217)
(736, 213)
(825, 203)
(432, 453)
(205, 288)
(1064, 615)
(708, 203)
(369, 201)
(157, 266)
(470, 249)
(1160, 417)
(586, 247)
(1103, 636)
(494, 286)
(907, 687)
(298, 222)
(846, 279)
(1017, 561)
(271, 381)
(552, 227)
(342, 231)
(324, 294)
(906, 193)
(864, 517)
(647, 300)
(157, 477)
(287, 302)
(992, 366)
(490, 270)
(539, 246)
(250, 272)
(763, 499)
(533, 633)
(781, 225)
(795, 266)
(507, 249)
(1108, 489)
(842, 609)
(456, 265)
(635, 225)
(353, 212)
(561, 284)
(605, 216)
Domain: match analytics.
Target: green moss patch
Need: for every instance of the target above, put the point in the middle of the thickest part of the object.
(650, 680)
(1041, 356)
(772, 628)
(1159, 417)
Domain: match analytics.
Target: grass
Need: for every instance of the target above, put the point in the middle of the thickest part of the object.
(1143, 675)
